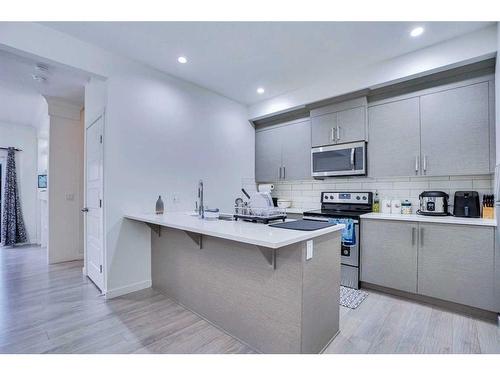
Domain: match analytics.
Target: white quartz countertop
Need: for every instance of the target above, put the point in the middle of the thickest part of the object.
(431, 219)
(241, 231)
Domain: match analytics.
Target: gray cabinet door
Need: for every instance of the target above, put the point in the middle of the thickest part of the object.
(268, 154)
(351, 125)
(389, 254)
(296, 150)
(323, 129)
(394, 139)
(456, 263)
(455, 131)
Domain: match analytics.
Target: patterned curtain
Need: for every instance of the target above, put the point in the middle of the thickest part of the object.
(13, 230)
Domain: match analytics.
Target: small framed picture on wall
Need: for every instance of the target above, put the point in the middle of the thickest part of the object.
(42, 181)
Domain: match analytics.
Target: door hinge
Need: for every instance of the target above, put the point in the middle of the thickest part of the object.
(100, 203)
(100, 268)
(100, 139)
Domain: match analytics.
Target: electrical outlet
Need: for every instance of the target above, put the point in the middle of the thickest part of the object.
(309, 249)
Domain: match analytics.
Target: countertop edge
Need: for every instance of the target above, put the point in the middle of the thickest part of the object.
(307, 235)
(432, 219)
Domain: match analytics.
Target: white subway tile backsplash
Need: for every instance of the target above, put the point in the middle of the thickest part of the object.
(306, 194)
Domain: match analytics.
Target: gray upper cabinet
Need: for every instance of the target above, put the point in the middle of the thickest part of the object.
(283, 152)
(456, 263)
(394, 133)
(323, 129)
(455, 131)
(296, 151)
(389, 254)
(351, 125)
(268, 154)
(339, 123)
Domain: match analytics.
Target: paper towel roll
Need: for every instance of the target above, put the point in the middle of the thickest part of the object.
(265, 188)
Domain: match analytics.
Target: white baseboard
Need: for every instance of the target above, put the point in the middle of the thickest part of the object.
(128, 289)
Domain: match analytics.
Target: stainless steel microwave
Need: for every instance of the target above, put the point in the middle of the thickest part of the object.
(346, 159)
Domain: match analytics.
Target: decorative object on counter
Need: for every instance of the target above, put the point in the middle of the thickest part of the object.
(406, 207)
(395, 206)
(211, 213)
(386, 206)
(265, 188)
(351, 298)
(376, 203)
(488, 206)
(466, 204)
(160, 208)
(433, 203)
(284, 203)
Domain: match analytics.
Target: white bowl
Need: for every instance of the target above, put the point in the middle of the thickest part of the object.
(284, 204)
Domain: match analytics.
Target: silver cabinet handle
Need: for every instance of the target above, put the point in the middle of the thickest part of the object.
(352, 157)
(332, 135)
(279, 173)
(417, 159)
(413, 235)
(425, 163)
(338, 133)
(421, 237)
(284, 173)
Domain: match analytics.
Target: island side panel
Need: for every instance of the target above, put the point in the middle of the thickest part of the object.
(232, 285)
(321, 293)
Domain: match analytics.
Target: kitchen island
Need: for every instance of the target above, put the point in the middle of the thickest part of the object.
(277, 290)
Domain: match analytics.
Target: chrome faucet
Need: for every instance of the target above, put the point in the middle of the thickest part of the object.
(201, 208)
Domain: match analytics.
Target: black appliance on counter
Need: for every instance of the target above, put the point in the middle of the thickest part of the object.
(466, 204)
(433, 203)
(345, 205)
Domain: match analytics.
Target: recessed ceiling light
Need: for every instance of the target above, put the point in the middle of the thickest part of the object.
(260, 90)
(182, 59)
(417, 31)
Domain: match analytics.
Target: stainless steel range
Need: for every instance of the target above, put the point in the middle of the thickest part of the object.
(345, 205)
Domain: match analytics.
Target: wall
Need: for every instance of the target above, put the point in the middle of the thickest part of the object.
(455, 52)
(65, 201)
(161, 136)
(305, 195)
(24, 138)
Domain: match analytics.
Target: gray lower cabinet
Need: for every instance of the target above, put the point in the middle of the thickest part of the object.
(389, 254)
(456, 263)
(283, 152)
(394, 134)
(455, 131)
(344, 126)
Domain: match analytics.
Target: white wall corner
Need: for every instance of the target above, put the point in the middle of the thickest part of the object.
(61, 108)
(113, 293)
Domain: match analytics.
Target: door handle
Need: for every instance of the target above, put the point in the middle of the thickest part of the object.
(413, 234)
(425, 164)
(421, 237)
(85, 209)
(338, 133)
(332, 134)
(417, 167)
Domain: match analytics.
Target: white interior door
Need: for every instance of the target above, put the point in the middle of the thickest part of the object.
(93, 211)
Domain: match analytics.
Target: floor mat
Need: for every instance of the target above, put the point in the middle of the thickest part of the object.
(351, 298)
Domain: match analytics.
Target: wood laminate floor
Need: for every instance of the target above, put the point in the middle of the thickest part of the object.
(55, 309)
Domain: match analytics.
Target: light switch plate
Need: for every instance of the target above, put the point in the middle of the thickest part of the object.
(309, 249)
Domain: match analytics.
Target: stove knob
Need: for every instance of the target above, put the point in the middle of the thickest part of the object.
(331, 196)
(358, 198)
(326, 196)
(364, 197)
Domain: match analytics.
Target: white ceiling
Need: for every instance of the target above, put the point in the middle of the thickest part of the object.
(16, 73)
(235, 58)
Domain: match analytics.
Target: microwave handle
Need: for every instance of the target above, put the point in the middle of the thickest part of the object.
(352, 157)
